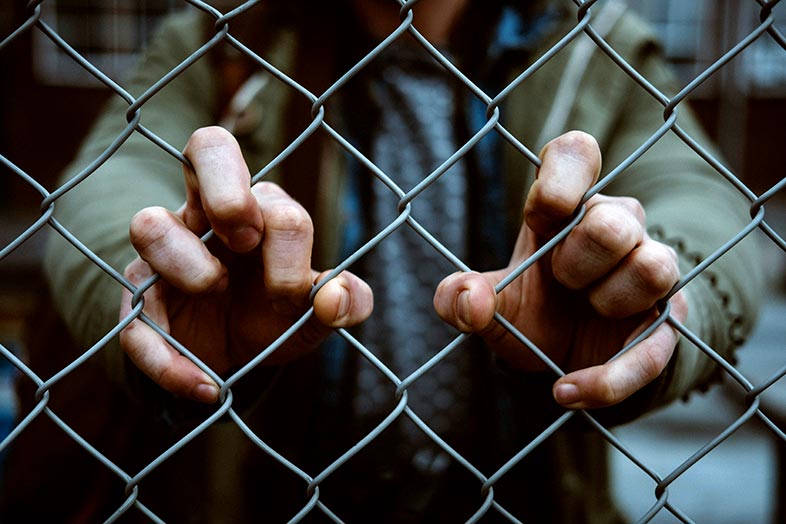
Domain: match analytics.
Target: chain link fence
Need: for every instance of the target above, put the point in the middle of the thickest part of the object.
(588, 30)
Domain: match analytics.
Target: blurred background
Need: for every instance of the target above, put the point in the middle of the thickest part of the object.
(47, 103)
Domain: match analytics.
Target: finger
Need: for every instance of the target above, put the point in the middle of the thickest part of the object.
(151, 353)
(612, 382)
(610, 230)
(467, 301)
(218, 190)
(570, 166)
(286, 245)
(344, 301)
(645, 276)
(176, 253)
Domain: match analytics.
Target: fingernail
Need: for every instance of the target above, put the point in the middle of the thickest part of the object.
(567, 393)
(244, 239)
(207, 393)
(464, 308)
(343, 304)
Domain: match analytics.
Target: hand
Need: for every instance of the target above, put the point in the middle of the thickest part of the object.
(586, 298)
(227, 299)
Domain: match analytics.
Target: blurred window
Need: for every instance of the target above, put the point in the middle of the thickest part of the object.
(765, 64)
(696, 33)
(109, 33)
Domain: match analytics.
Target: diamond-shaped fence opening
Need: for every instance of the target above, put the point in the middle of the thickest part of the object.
(413, 151)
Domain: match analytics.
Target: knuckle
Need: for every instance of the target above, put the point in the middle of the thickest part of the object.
(289, 286)
(615, 384)
(288, 218)
(610, 229)
(205, 278)
(650, 364)
(265, 187)
(634, 207)
(553, 201)
(608, 391)
(656, 270)
(610, 307)
(136, 271)
(230, 207)
(148, 226)
(167, 379)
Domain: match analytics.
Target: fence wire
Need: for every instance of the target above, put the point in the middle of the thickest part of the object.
(586, 24)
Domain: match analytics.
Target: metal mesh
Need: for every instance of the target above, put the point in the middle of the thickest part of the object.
(311, 480)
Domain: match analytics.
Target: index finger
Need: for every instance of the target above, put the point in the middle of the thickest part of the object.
(570, 165)
(218, 190)
(612, 382)
(150, 352)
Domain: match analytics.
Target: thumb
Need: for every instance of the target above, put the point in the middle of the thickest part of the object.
(467, 301)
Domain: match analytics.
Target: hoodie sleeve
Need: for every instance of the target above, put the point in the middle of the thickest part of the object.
(691, 206)
(97, 210)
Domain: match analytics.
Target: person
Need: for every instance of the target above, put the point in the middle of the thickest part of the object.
(225, 299)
